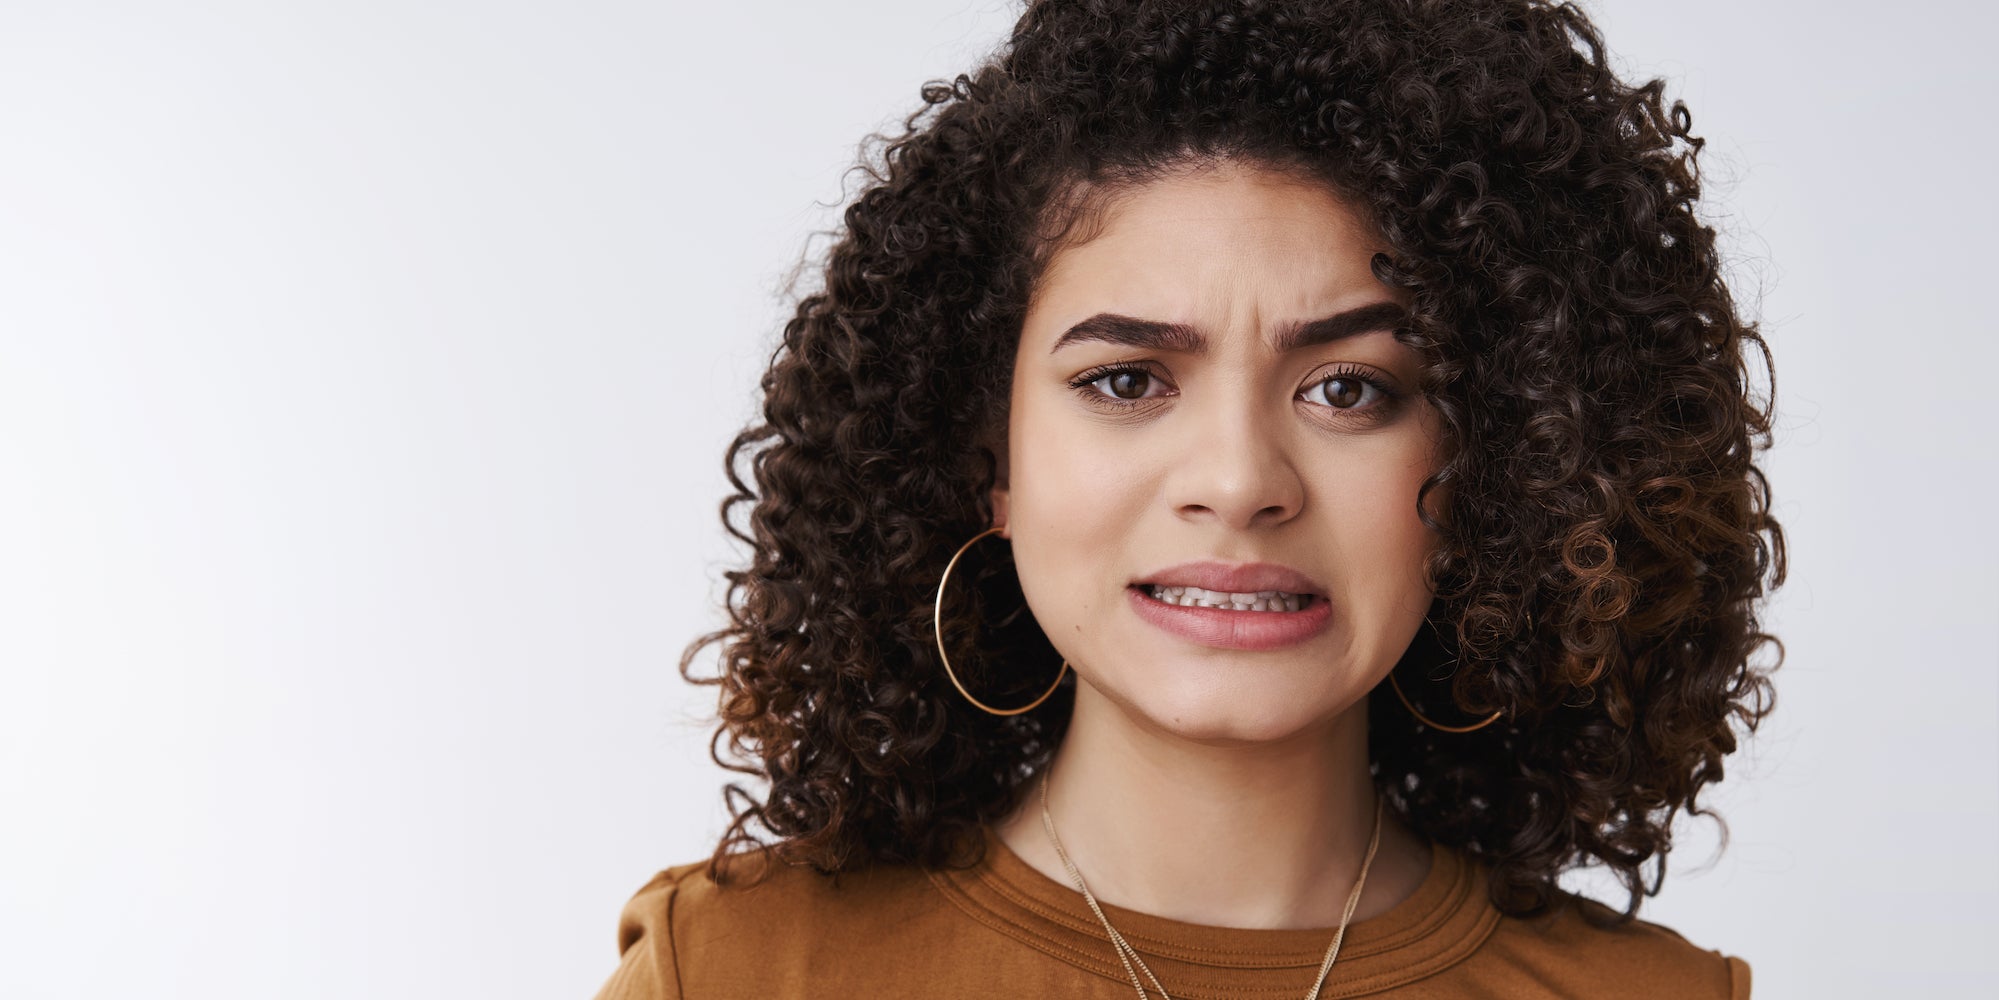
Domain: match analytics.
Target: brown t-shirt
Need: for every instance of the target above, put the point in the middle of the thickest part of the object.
(1003, 929)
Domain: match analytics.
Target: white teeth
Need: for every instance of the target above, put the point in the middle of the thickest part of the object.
(1262, 600)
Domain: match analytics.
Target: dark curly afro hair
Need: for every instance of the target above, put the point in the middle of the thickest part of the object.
(1607, 535)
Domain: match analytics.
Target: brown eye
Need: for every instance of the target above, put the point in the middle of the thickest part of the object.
(1121, 387)
(1129, 384)
(1351, 392)
(1344, 392)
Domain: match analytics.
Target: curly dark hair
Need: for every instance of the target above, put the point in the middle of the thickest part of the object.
(1607, 535)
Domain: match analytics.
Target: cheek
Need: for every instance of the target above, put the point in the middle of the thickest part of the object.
(1385, 542)
(1071, 507)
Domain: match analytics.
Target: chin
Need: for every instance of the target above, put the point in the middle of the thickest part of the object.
(1233, 712)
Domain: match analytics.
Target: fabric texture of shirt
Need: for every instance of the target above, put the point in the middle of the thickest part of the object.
(1003, 929)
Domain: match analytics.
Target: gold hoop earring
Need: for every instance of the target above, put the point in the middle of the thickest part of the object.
(1426, 720)
(1420, 717)
(937, 626)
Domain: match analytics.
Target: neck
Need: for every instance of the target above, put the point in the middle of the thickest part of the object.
(1270, 835)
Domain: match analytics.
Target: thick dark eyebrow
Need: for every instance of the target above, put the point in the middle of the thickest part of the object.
(1152, 335)
(1144, 334)
(1366, 319)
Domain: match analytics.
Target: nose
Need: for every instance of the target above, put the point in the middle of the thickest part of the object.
(1237, 469)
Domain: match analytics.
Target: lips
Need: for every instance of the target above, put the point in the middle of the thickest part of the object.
(1230, 628)
(1238, 578)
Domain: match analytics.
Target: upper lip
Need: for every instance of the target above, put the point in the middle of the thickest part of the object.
(1236, 578)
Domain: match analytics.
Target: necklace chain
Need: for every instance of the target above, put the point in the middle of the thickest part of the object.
(1129, 957)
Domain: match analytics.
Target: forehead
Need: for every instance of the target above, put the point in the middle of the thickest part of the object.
(1223, 238)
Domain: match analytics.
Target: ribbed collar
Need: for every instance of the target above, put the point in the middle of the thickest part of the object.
(1437, 926)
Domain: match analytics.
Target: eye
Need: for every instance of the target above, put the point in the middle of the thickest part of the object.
(1350, 390)
(1129, 383)
(1118, 385)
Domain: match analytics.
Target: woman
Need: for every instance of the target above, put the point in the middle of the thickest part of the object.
(1264, 489)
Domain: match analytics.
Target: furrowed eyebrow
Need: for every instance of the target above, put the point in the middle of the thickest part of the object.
(1144, 334)
(1366, 319)
(1152, 335)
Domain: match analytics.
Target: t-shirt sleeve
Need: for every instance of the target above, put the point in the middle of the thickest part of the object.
(647, 969)
(1738, 978)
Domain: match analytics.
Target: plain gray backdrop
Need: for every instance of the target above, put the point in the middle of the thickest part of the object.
(366, 369)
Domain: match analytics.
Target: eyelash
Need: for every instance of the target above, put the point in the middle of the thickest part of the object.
(1085, 384)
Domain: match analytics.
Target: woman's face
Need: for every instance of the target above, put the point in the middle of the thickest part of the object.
(1207, 395)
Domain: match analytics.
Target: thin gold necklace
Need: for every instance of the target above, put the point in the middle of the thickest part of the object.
(1129, 955)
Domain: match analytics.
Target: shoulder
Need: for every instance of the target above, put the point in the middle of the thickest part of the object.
(685, 933)
(1570, 949)
(757, 898)
(647, 967)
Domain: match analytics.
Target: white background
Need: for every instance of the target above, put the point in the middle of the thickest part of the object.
(365, 372)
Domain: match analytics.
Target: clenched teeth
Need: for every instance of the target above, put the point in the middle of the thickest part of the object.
(1262, 600)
